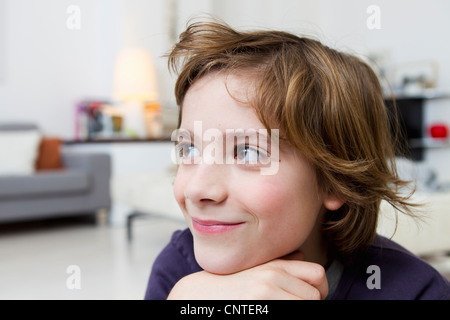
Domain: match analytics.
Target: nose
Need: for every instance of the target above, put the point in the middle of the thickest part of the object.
(207, 185)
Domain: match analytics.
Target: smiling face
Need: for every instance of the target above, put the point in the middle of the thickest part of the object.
(239, 217)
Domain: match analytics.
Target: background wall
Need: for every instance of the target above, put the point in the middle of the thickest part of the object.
(48, 67)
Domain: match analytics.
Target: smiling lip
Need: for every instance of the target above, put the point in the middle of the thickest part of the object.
(213, 226)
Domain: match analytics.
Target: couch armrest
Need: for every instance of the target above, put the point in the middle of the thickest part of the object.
(98, 165)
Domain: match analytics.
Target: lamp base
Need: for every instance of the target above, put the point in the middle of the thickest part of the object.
(134, 120)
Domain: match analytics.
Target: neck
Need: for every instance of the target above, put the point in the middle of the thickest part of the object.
(315, 247)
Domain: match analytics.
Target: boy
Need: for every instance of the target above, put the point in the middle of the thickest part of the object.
(308, 229)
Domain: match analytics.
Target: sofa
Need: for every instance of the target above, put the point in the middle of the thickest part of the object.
(79, 183)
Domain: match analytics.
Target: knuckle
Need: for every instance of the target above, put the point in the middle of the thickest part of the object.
(319, 273)
(261, 291)
(265, 290)
(269, 274)
(314, 294)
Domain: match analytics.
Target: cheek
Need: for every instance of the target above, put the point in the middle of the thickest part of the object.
(285, 215)
(271, 206)
(179, 186)
(264, 199)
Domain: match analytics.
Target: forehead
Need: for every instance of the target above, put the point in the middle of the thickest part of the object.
(220, 100)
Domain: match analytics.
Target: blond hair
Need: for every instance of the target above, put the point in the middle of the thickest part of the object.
(327, 104)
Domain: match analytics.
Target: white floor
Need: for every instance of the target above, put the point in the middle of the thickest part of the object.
(34, 260)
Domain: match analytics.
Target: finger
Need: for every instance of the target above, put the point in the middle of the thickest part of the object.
(296, 287)
(309, 272)
(302, 290)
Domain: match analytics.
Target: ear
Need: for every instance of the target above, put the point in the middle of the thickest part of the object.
(333, 202)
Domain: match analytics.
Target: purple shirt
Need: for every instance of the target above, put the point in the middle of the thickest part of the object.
(401, 275)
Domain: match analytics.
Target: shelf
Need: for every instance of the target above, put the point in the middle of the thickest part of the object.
(427, 94)
(125, 140)
(429, 143)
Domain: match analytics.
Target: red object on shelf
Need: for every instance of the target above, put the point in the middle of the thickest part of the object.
(439, 130)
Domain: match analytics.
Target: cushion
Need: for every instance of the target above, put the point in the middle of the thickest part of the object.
(49, 155)
(18, 150)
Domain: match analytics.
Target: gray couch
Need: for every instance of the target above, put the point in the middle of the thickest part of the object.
(81, 188)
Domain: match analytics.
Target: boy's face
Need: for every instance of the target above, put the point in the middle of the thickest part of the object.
(239, 217)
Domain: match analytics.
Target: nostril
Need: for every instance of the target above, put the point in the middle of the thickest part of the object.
(198, 193)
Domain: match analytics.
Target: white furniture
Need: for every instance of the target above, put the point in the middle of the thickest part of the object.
(426, 236)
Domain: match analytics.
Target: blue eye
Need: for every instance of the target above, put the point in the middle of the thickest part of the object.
(247, 154)
(187, 151)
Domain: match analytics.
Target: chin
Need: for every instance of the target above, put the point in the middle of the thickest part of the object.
(221, 263)
(219, 266)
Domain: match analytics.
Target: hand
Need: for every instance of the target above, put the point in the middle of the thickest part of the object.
(287, 278)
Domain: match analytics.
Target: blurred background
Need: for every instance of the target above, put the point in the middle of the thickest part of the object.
(87, 109)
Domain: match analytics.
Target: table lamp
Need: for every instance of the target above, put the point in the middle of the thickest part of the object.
(135, 86)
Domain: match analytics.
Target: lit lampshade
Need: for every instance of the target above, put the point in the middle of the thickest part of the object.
(134, 76)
